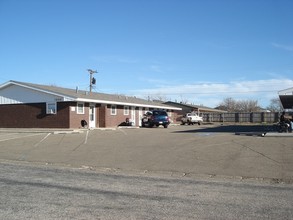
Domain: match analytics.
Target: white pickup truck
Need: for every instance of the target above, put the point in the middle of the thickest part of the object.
(191, 118)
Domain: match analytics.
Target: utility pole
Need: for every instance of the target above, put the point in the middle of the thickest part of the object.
(92, 79)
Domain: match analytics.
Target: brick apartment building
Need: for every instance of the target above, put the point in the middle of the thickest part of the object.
(28, 105)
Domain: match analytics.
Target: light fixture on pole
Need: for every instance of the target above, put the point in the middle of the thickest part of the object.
(92, 79)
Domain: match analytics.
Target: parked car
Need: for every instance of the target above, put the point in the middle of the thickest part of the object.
(155, 118)
(191, 118)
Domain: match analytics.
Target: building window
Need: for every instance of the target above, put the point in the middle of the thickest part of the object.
(51, 108)
(80, 108)
(126, 110)
(113, 110)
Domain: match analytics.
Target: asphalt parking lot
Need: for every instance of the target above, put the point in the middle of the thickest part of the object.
(212, 150)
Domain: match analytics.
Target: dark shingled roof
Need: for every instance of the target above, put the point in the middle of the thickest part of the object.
(199, 107)
(81, 95)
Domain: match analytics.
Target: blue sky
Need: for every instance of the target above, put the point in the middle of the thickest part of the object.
(179, 50)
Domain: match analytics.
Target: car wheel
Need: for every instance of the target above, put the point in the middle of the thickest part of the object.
(165, 126)
(150, 124)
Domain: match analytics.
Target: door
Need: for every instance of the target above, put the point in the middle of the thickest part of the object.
(140, 116)
(92, 116)
(133, 115)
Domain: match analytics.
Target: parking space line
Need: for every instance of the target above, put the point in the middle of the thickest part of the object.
(85, 141)
(42, 140)
(12, 138)
(124, 132)
(86, 136)
(7, 135)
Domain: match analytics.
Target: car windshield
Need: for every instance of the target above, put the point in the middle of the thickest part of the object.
(159, 113)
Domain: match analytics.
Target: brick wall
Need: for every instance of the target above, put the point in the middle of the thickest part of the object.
(33, 116)
(75, 119)
(115, 120)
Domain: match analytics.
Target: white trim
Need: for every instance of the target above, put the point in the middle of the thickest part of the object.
(126, 110)
(77, 108)
(113, 107)
(92, 116)
(126, 103)
(50, 111)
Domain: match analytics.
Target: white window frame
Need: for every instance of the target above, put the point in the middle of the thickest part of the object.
(51, 108)
(78, 106)
(113, 110)
(126, 110)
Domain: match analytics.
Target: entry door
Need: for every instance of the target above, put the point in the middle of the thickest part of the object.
(92, 115)
(140, 116)
(133, 115)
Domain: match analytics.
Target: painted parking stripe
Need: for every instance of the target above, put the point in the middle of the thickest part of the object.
(42, 140)
(86, 137)
(12, 138)
(7, 135)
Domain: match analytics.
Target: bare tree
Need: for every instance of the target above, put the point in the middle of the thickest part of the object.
(232, 105)
(275, 105)
(157, 97)
(183, 100)
(228, 104)
(247, 106)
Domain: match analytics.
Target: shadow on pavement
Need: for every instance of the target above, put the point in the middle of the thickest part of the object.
(231, 129)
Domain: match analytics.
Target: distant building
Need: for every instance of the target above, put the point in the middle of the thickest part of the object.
(186, 108)
(286, 98)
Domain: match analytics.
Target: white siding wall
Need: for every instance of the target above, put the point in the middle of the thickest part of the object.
(286, 92)
(16, 94)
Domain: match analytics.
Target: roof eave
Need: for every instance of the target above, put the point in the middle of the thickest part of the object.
(72, 98)
(126, 103)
